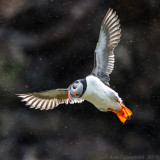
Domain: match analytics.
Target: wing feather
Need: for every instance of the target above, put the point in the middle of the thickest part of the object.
(48, 99)
(109, 38)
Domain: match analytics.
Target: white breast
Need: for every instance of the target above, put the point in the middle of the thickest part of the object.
(101, 95)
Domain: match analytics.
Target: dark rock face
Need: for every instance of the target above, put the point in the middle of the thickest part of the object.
(50, 44)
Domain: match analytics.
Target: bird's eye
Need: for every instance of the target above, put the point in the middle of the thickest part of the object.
(76, 82)
(74, 86)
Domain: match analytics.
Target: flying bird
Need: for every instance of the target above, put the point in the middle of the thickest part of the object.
(95, 87)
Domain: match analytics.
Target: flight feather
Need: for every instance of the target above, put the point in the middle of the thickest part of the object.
(109, 38)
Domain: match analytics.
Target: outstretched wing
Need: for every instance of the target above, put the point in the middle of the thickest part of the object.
(47, 99)
(109, 38)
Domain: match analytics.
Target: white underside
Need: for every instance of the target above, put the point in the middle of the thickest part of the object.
(101, 95)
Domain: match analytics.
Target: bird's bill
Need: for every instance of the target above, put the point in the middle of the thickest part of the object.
(71, 95)
(122, 114)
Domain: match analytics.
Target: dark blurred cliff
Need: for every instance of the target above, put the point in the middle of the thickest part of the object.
(49, 44)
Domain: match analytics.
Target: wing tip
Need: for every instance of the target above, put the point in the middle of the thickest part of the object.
(110, 10)
(112, 23)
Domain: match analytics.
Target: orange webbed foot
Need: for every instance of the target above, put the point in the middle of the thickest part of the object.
(122, 114)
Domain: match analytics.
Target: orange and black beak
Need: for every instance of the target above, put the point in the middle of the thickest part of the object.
(71, 95)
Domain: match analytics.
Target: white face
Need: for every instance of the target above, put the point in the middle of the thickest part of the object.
(75, 89)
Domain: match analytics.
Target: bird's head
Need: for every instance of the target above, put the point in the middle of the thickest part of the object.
(76, 89)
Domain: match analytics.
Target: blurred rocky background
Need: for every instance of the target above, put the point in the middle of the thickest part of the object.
(47, 44)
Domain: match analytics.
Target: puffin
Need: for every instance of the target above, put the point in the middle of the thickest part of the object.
(95, 87)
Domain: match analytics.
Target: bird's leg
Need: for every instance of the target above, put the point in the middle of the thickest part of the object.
(122, 114)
